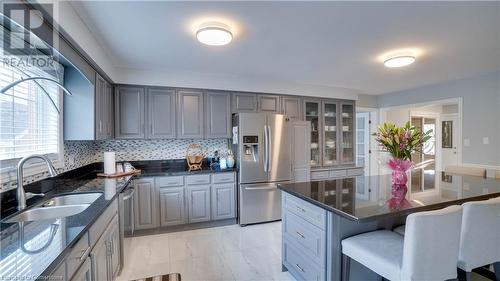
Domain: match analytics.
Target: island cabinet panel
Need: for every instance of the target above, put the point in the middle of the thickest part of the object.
(77, 254)
(190, 114)
(269, 103)
(307, 211)
(223, 201)
(145, 204)
(218, 115)
(198, 203)
(114, 248)
(172, 207)
(129, 113)
(310, 239)
(244, 102)
(99, 258)
(161, 119)
(292, 107)
(299, 265)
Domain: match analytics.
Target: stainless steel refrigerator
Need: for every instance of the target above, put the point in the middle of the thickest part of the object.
(262, 147)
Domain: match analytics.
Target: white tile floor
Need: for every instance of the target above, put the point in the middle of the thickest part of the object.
(220, 253)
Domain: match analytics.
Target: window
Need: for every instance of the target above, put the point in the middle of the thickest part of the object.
(29, 123)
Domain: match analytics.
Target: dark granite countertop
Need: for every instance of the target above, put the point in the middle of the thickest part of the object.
(369, 198)
(19, 263)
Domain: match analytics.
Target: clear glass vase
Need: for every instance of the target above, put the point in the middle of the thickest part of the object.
(399, 180)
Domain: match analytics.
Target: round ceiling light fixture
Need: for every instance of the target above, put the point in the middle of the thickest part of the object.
(214, 34)
(399, 61)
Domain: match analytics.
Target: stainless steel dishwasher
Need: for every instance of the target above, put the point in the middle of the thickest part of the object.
(126, 216)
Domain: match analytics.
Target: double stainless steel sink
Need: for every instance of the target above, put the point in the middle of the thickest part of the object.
(57, 207)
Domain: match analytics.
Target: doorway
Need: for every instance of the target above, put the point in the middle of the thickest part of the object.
(450, 130)
(423, 177)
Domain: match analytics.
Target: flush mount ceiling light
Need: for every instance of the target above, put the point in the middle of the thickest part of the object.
(399, 61)
(214, 34)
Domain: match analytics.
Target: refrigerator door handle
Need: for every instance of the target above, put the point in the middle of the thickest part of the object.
(269, 146)
(266, 149)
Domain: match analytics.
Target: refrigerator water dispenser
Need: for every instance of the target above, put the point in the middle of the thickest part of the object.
(251, 148)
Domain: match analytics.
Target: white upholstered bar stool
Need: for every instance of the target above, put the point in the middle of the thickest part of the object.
(428, 251)
(480, 236)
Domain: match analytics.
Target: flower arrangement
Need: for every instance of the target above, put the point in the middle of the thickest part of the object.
(401, 142)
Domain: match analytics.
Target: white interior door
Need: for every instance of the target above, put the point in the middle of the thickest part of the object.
(449, 140)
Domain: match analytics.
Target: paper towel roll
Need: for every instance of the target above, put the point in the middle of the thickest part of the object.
(109, 163)
(109, 188)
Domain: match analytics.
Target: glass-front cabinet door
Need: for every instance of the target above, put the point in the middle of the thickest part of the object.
(347, 132)
(312, 113)
(330, 134)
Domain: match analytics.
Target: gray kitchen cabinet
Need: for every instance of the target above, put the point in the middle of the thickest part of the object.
(101, 103)
(172, 207)
(84, 273)
(129, 112)
(244, 102)
(301, 153)
(160, 113)
(268, 103)
(218, 115)
(99, 259)
(190, 114)
(291, 107)
(109, 111)
(145, 204)
(60, 272)
(198, 201)
(114, 248)
(223, 201)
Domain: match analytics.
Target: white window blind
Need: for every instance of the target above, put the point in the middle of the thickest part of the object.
(29, 122)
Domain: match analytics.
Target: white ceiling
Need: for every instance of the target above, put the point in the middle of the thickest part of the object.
(334, 44)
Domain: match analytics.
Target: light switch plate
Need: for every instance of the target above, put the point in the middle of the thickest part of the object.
(486, 140)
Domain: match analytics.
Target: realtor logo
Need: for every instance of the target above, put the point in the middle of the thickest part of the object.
(32, 20)
(22, 34)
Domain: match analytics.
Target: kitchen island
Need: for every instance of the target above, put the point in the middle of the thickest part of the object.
(318, 215)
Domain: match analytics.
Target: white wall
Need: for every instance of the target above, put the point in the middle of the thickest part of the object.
(69, 20)
(481, 112)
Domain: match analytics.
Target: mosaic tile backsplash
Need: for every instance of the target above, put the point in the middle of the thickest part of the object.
(81, 153)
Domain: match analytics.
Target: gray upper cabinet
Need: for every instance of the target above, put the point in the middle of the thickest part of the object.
(145, 204)
(223, 201)
(218, 115)
(190, 114)
(291, 107)
(160, 113)
(269, 103)
(198, 203)
(104, 119)
(129, 113)
(244, 102)
(172, 207)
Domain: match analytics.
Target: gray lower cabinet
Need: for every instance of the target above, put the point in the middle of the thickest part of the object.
(244, 102)
(292, 107)
(223, 201)
(105, 256)
(99, 258)
(145, 204)
(160, 113)
(172, 207)
(129, 113)
(218, 115)
(190, 114)
(84, 273)
(269, 103)
(198, 202)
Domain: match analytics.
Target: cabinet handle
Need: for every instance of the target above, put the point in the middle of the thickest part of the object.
(300, 234)
(171, 183)
(100, 126)
(301, 209)
(300, 268)
(84, 253)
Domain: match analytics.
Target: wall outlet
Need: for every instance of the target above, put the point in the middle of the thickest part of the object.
(486, 140)
(466, 142)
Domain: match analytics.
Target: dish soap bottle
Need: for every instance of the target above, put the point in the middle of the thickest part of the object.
(230, 159)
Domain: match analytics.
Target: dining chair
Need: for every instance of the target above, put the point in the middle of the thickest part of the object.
(428, 251)
(480, 236)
